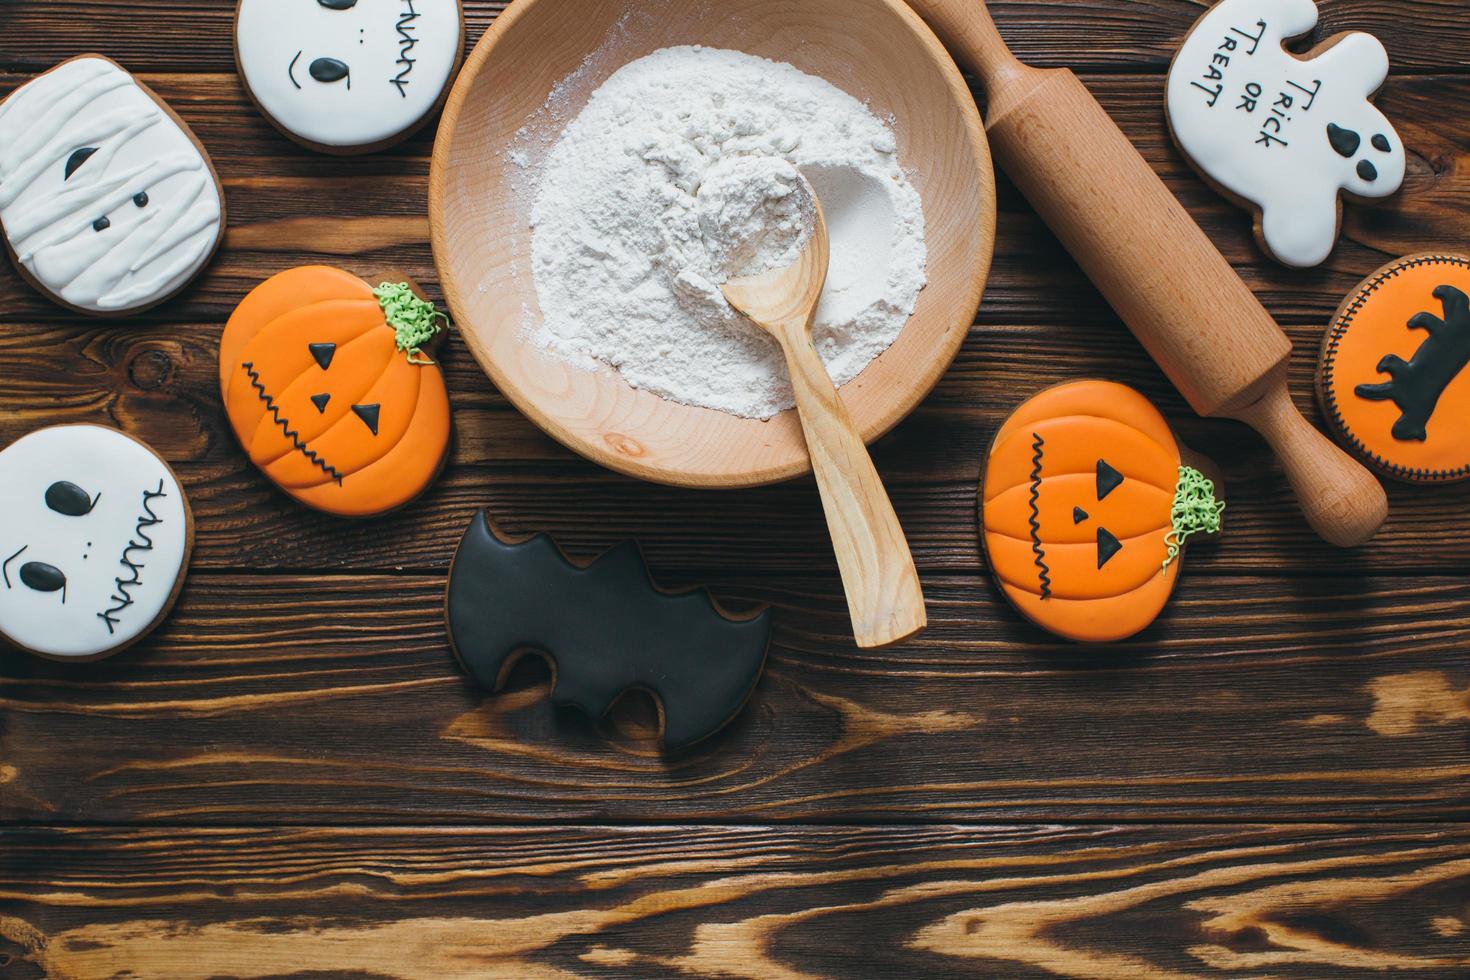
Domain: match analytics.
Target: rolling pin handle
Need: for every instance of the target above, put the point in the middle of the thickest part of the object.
(1342, 501)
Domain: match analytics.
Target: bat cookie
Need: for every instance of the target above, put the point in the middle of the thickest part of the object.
(328, 388)
(95, 537)
(108, 202)
(1393, 378)
(1280, 133)
(1086, 504)
(348, 76)
(607, 628)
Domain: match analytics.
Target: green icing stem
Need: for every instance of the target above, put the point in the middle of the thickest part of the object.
(1195, 510)
(415, 322)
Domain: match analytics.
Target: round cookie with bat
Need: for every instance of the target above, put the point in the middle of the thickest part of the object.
(1392, 377)
(95, 538)
(1086, 503)
(1280, 133)
(329, 388)
(108, 203)
(348, 76)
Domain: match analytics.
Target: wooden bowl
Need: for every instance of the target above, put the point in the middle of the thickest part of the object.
(876, 50)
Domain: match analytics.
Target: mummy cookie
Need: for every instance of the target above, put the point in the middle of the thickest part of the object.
(109, 204)
(1280, 133)
(608, 628)
(95, 537)
(1086, 504)
(1393, 379)
(329, 390)
(348, 76)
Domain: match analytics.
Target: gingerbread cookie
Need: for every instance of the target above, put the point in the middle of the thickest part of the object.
(608, 628)
(329, 390)
(348, 76)
(1280, 133)
(108, 202)
(1085, 507)
(95, 537)
(1393, 378)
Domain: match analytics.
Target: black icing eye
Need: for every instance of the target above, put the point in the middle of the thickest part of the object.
(102, 224)
(1344, 142)
(320, 401)
(330, 70)
(77, 158)
(338, 4)
(323, 354)
(1108, 479)
(141, 199)
(1107, 546)
(1380, 143)
(67, 498)
(42, 577)
(369, 416)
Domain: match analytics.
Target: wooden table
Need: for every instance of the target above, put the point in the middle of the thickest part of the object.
(293, 776)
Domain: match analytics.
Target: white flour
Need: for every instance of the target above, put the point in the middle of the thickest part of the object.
(671, 181)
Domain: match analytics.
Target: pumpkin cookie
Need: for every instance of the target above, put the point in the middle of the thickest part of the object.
(1085, 507)
(329, 390)
(95, 537)
(1392, 377)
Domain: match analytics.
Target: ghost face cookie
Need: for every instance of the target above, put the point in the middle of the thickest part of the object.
(1280, 133)
(348, 76)
(1085, 506)
(1393, 378)
(108, 203)
(95, 537)
(329, 390)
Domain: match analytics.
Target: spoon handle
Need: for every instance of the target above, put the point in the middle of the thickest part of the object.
(878, 574)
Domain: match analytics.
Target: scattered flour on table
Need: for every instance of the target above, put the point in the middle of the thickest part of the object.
(678, 174)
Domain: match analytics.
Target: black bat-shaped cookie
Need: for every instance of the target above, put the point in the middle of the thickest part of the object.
(607, 627)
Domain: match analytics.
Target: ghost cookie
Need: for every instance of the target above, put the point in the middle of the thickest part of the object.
(109, 204)
(95, 537)
(329, 389)
(1280, 133)
(1086, 503)
(1392, 378)
(348, 76)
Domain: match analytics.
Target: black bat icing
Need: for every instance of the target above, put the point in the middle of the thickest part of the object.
(1416, 384)
(608, 628)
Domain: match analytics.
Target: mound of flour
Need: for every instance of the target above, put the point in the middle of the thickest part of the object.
(658, 191)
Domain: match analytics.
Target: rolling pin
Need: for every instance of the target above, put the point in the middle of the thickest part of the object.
(1154, 264)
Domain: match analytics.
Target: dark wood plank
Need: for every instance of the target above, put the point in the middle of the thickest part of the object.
(277, 699)
(289, 206)
(563, 902)
(1107, 35)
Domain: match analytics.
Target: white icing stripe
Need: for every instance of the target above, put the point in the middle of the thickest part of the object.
(140, 215)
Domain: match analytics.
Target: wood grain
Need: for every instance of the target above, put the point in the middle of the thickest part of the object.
(276, 699)
(560, 902)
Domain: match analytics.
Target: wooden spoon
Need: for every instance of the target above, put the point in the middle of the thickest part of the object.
(883, 594)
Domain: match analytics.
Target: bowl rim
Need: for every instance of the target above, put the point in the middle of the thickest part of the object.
(934, 368)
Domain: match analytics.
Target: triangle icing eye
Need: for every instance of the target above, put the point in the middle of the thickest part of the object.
(1107, 546)
(1108, 479)
(320, 401)
(323, 354)
(1079, 515)
(369, 416)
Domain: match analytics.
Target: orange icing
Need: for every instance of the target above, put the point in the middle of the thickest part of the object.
(331, 459)
(1373, 326)
(1079, 424)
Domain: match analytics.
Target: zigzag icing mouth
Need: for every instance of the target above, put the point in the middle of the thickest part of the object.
(285, 424)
